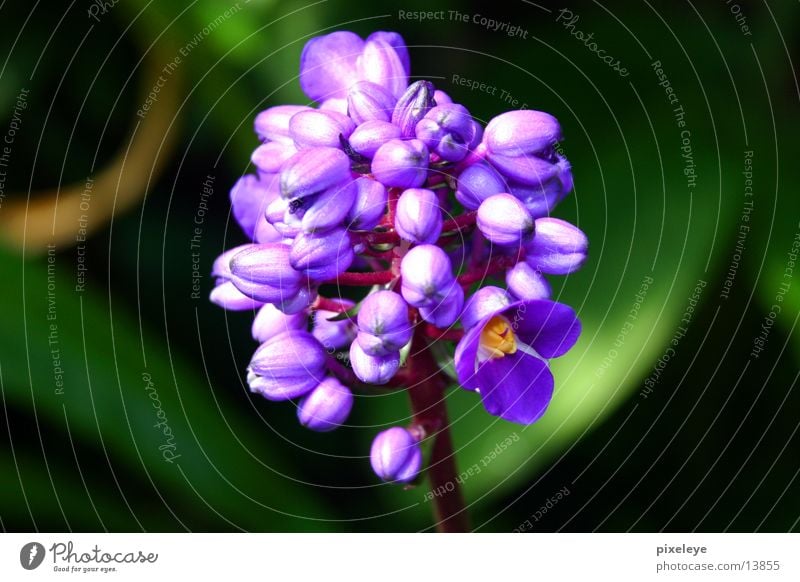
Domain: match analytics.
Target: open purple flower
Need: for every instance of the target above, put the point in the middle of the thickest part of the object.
(504, 357)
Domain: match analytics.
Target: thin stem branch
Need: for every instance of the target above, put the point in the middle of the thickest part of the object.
(430, 413)
(363, 279)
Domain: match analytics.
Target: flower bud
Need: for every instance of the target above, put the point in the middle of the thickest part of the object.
(310, 171)
(527, 283)
(278, 215)
(287, 366)
(427, 276)
(541, 199)
(329, 209)
(299, 302)
(397, 43)
(505, 221)
(522, 133)
(249, 199)
(381, 64)
(320, 128)
(373, 369)
(326, 407)
(270, 321)
(476, 183)
(558, 248)
(529, 170)
(484, 302)
(395, 455)
(333, 335)
(412, 106)
(265, 264)
(402, 164)
(273, 124)
(445, 312)
(447, 130)
(269, 157)
(328, 65)
(418, 218)
(227, 296)
(441, 98)
(369, 205)
(369, 102)
(322, 257)
(383, 326)
(371, 135)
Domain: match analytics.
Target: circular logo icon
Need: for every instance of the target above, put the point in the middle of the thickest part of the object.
(31, 555)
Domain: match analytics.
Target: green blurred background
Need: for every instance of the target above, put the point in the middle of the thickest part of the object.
(664, 418)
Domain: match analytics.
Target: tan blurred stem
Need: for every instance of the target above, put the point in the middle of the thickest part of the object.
(53, 215)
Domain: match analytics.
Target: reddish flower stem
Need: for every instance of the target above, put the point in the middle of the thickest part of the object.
(494, 266)
(430, 413)
(363, 279)
(327, 304)
(436, 333)
(460, 222)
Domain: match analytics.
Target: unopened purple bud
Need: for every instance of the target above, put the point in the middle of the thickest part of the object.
(427, 275)
(322, 257)
(250, 197)
(221, 268)
(320, 128)
(265, 264)
(380, 64)
(273, 124)
(313, 170)
(334, 335)
(373, 369)
(445, 312)
(369, 102)
(328, 65)
(270, 321)
(299, 302)
(287, 366)
(371, 135)
(447, 130)
(383, 325)
(270, 157)
(329, 209)
(505, 221)
(441, 97)
(484, 302)
(395, 455)
(477, 183)
(326, 407)
(335, 105)
(530, 170)
(397, 43)
(227, 296)
(418, 218)
(558, 248)
(369, 206)
(527, 283)
(277, 213)
(541, 199)
(402, 164)
(522, 133)
(412, 106)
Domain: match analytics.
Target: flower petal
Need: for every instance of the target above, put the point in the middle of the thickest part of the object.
(328, 65)
(550, 328)
(517, 387)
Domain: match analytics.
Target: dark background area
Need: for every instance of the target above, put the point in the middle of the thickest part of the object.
(714, 447)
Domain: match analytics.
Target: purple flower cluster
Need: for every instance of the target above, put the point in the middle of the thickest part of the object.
(393, 187)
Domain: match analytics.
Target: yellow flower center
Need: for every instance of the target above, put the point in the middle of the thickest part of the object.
(497, 338)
